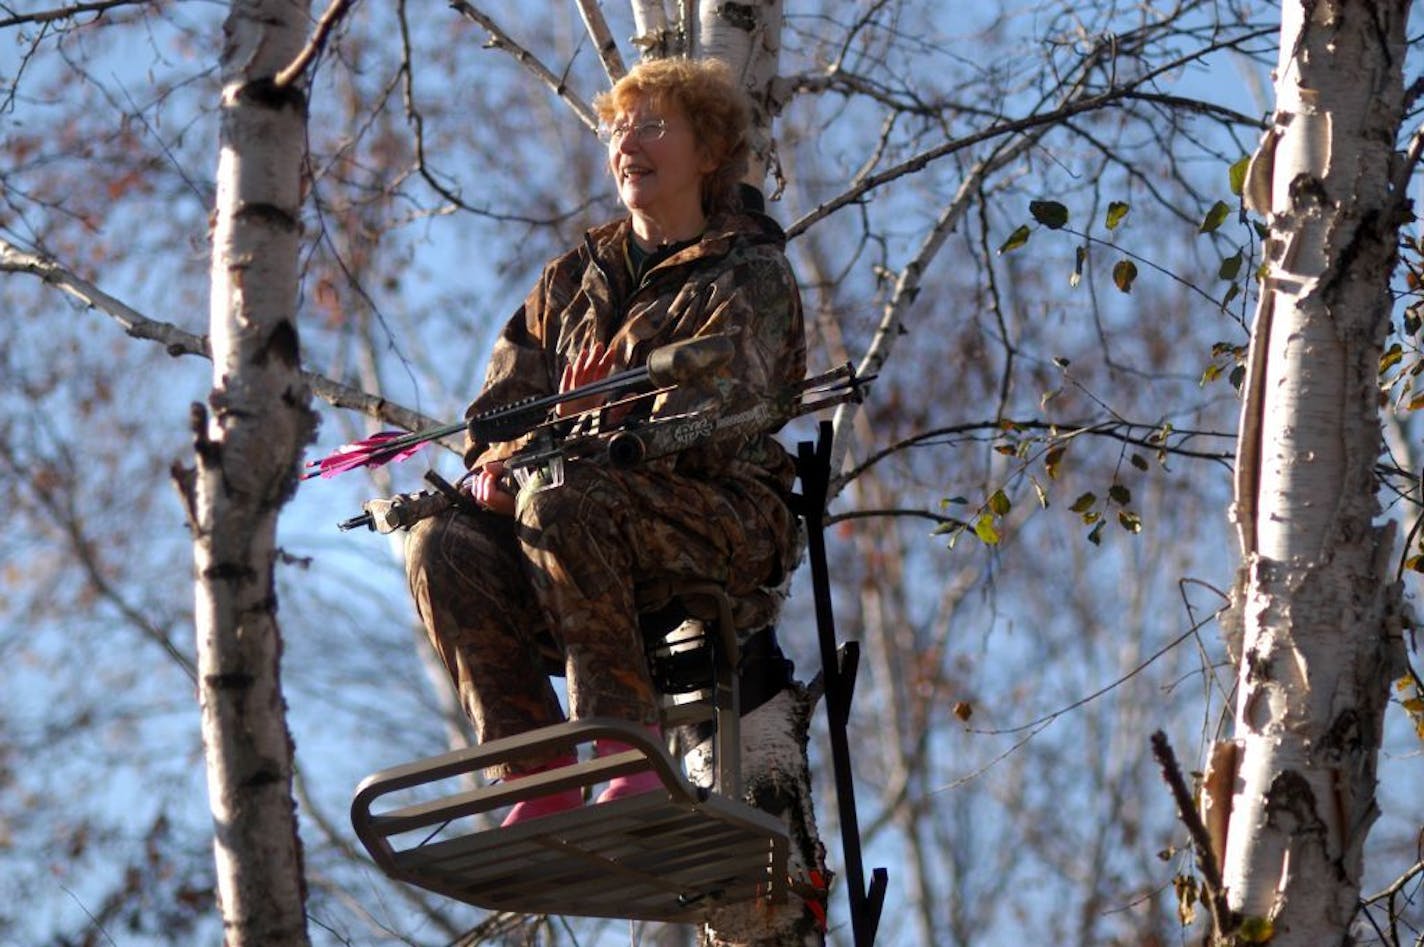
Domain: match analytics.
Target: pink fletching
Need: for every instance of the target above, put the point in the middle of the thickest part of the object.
(373, 451)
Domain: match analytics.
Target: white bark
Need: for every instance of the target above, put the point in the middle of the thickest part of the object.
(775, 770)
(1321, 632)
(747, 37)
(603, 40)
(246, 466)
(776, 778)
(654, 36)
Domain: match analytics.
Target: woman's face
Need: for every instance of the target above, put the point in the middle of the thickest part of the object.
(656, 161)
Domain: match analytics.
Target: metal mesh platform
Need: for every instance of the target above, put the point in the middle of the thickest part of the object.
(671, 855)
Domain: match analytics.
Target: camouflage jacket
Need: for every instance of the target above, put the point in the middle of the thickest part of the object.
(735, 279)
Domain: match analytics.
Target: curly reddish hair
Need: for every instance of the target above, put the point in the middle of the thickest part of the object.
(717, 111)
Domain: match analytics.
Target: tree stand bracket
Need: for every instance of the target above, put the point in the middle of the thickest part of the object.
(838, 667)
(670, 855)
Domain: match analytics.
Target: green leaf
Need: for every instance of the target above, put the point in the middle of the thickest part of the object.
(1119, 494)
(1236, 174)
(1117, 210)
(1237, 377)
(984, 529)
(1215, 217)
(1231, 266)
(1080, 254)
(1000, 504)
(1084, 503)
(1211, 373)
(1130, 521)
(1095, 535)
(1139, 462)
(1123, 274)
(957, 501)
(1016, 239)
(1051, 214)
(1232, 292)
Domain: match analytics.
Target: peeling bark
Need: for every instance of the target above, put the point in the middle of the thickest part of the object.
(747, 36)
(247, 453)
(1320, 638)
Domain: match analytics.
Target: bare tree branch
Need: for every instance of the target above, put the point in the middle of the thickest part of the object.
(422, 163)
(603, 40)
(499, 39)
(1062, 430)
(66, 13)
(907, 288)
(61, 510)
(328, 22)
(177, 341)
(1215, 900)
(1051, 117)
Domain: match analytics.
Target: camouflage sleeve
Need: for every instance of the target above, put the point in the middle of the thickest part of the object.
(520, 366)
(757, 303)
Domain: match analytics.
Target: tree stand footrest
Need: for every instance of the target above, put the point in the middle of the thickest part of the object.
(668, 855)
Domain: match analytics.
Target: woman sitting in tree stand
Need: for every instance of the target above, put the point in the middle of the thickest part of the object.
(562, 564)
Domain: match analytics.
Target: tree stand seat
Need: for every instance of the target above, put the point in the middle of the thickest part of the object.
(669, 855)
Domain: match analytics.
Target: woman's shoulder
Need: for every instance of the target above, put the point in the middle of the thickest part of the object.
(604, 240)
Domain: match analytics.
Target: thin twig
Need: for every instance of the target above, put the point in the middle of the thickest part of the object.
(66, 13)
(178, 342)
(602, 36)
(502, 40)
(324, 26)
(1009, 127)
(1115, 430)
(1187, 810)
(1086, 699)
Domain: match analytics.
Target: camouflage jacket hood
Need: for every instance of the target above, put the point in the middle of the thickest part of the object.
(734, 279)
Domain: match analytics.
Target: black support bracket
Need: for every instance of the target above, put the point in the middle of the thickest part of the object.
(838, 667)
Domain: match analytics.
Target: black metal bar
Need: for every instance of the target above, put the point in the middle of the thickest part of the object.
(839, 669)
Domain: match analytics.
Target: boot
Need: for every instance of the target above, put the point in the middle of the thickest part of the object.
(635, 784)
(539, 806)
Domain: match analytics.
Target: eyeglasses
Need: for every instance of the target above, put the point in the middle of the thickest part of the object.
(651, 130)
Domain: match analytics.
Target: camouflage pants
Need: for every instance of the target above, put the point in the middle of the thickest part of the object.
(564, 569)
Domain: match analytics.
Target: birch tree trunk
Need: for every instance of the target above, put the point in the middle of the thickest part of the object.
(776, 770)
(246, 466)
(1319, 636)
(747, 36)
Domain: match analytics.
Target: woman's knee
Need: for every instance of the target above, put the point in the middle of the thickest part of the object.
(587, 490)
(446, 547)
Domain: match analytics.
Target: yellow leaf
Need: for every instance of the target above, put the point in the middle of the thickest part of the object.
(1016, 239)
(984, 529)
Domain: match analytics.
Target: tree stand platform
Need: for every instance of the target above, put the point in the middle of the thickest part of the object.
(669, 855)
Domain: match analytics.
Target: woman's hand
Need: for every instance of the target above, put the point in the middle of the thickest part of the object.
(590, 365)
(487, 492)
